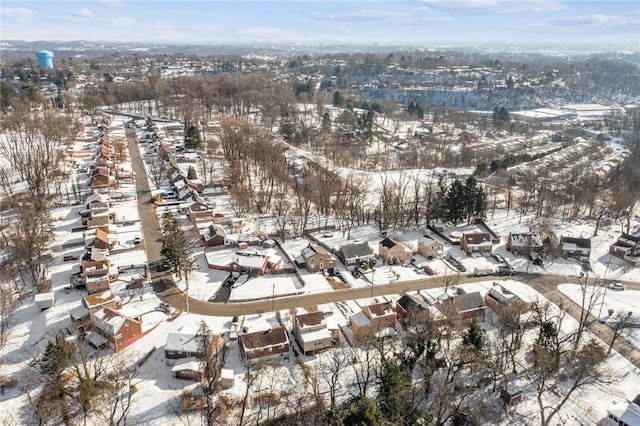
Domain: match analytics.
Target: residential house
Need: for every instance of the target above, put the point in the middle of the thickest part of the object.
(97, 275)
(624, 414)
(98, 215)
(409, 306)
(264, 344)
(626, 246)
(354, 254)
(391, 250)
(524, 244)
(214, 236)
(316, 259)
(577, 248)
(249, 264)
(378, 318)
(312, 332)
(115, 329)
(467, 306)
(499, 298)
(430, 248)
(100, 179)
(95, 302)
(476, 242)
(100, 240)
(198, 212)
(187, 369)
(182, 343)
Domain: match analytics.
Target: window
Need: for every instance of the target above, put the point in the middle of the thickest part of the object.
(170, 352)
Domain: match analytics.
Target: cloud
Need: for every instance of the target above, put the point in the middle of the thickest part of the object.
(111, 4)
(122, 22)
(18, 13)
(362, 15)
(597, 21)
(82, 13)
(496, 7)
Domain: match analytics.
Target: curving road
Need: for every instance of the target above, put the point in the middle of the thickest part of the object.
(166, 291)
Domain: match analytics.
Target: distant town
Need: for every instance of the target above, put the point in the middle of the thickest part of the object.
(403, 237)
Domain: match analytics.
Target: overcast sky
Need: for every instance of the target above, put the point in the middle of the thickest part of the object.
(426, 22)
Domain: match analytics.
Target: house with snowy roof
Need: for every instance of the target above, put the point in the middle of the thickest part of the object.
(312, 332)
(467, 306)
(627, 247)
(577, 248)
(525, 243)
(317, 259)
(476, 242)
(430, 247)
(114, 329)
(624, 414)
(378, 317)
(391, 250)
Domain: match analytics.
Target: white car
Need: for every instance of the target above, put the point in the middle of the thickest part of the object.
(617, 286)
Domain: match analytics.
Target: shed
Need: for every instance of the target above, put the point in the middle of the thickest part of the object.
(44, 300)
(511, 395)
(227, 379)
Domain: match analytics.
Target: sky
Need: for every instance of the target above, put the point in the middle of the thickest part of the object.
(425, 22)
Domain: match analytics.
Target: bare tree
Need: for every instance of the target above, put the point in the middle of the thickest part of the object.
(622, 322)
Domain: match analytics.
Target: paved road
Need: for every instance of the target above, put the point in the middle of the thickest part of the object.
(152, 235)
(166, 291)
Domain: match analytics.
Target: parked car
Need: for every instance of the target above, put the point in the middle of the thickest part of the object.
(69, 257)
(429, 270)
(499, 258)
(137, 240)
(617, 286)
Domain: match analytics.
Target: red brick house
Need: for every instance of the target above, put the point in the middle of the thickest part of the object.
(372, 318)
(116, 329)
(409, 305)
(97, 275)
(524, 244)
(625, 245)
(265, 344)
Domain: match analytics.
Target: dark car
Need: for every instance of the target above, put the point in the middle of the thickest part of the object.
(69, 257)
(429, 270)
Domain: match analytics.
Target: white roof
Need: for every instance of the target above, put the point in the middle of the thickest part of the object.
(182, 339)
(226, 374)
(96, 339)
(360, 319)
(186, 364)
(315, 335)
(43, 297)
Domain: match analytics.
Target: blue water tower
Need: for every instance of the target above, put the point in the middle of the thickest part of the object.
(45, 58)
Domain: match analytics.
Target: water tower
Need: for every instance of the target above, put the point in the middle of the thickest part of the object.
(45, 58)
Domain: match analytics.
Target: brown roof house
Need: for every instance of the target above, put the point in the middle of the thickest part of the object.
(265, 344)
(312, 332)
(468, 305)
(524, 244)
(477, 242)
(429, 247)
(391, 251)
(378, 318)
(316, 259)
(95, 302)
(354, 254)
(115, 329)
(100, 240)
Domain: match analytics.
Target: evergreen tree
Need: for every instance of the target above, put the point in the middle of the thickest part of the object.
(394, 388)
(192, 138)
(474, 336)
(191, 173)
(510, 83)
(338, 99)
(456, 201)
(360, 412)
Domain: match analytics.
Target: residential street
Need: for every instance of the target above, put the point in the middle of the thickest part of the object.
(166, 291)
